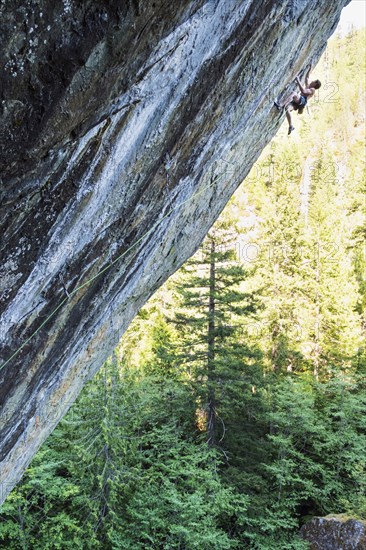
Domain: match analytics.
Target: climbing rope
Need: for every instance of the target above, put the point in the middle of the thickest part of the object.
(106, 268)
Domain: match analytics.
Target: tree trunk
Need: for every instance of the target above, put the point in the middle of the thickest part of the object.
(316, 350)
(211, 420)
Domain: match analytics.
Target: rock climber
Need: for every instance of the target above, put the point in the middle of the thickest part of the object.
(297, 101)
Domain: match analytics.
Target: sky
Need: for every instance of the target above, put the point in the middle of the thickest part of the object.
(354, 13)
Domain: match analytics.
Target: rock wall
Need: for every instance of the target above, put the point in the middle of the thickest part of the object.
(126, 127)
(335, 533)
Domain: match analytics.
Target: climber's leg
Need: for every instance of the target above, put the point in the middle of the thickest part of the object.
(296, 98)
(278, 105)
(288, 116)
(289, 99)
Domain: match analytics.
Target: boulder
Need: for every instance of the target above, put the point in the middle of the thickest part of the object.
(335, 532)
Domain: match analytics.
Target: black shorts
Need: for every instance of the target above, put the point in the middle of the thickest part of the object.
(301, 105)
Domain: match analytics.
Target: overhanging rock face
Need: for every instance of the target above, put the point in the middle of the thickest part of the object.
(126, 127)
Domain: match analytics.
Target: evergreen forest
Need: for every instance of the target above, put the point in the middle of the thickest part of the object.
(233, 409)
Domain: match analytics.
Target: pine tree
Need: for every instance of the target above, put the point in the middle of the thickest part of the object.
(213, 303)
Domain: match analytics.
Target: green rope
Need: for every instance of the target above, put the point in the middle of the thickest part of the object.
(106, 268)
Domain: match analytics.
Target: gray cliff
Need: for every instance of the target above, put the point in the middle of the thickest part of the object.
(125, 128)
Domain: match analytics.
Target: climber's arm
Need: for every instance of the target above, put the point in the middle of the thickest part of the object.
(307, 76)
(302, 89)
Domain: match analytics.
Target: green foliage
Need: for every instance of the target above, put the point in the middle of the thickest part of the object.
(234, 408)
